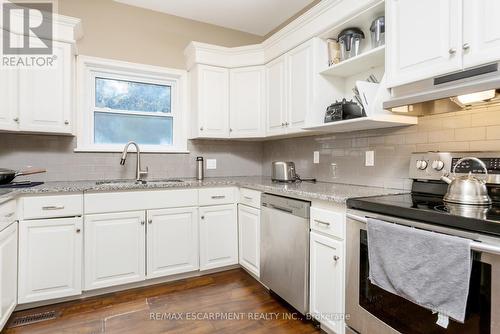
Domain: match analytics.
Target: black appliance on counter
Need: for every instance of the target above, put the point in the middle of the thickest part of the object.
(372, 307)
(343, 110)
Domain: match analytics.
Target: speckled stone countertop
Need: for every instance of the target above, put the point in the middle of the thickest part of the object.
(332, 192)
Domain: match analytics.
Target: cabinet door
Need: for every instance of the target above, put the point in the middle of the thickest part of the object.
(276, 96)
(299, 86)
(481, 42)
(172, 242)
(423, 39)
(8, 272)
(45, 102)
(327, 281)
(249, 238)
(8, 95)
(50, 259)
(213, 101)
(247, 102)
(114, 249)
(218, 236)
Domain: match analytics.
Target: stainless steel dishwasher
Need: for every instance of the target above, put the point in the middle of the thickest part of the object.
(284, 249)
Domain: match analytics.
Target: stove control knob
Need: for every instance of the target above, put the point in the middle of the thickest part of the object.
(438, 165)
(421, 164)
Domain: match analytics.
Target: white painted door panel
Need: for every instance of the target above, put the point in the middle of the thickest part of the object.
(114, 249)
(8, 272)
(9, 113)
(249, 238)
(213, 101)
(424, 39)
(276, 96)
(45, 93)
(50, 259)
(481, 43)
(327, 281)
(300, 86)
(218, 236)
(247, 102)
(172, 242)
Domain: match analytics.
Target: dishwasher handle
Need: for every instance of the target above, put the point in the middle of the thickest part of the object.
(279, 208)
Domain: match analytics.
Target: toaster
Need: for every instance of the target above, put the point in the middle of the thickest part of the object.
(283, 171)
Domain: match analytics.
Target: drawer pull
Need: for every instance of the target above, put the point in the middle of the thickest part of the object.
(322, 222)
(218, 197)
(53, 207)
(9, 215)
(248, 198)
(78, 230)
(336, 258)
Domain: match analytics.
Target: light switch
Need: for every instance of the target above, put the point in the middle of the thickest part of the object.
(316, 157)
(211, 163)
(370, 158)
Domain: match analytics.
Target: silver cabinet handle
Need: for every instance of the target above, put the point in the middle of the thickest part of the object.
(248, 198)
(452, 51)
(78, 230)
(202, 217)
(219, 197)
(466, 46)
(322, 222)
(66, 122)
(9, 215)
(336, 258)
(53, 207)
(201, 128)
(143, 222)
(150, 221)
(16, 119)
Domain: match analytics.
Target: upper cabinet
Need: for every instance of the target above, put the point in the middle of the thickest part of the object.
(454, 35)
(276, 96)
(423, 39)
(210, 101)
(481, 41)
(247, 100)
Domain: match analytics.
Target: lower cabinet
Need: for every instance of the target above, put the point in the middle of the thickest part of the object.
(172, 242)
(218, 236)
(50, 259)
(114, 249)
(327, 282)
(8, 272)
(249, 238)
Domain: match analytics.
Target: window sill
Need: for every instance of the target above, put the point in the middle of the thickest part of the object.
(132, 149)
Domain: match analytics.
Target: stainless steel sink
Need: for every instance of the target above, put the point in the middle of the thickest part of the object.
(118, 182)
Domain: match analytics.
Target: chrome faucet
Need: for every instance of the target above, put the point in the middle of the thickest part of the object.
(139, 172)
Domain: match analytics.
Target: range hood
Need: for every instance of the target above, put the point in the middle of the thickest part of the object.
(465, 82)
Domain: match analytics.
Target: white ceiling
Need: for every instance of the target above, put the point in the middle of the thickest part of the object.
(253, 16)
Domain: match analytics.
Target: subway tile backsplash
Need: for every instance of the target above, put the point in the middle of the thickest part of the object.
(476, 130)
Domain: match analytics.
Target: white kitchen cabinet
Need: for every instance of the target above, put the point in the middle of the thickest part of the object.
(8, 272)
(247, 102)
(172, 242)
(50, 259)
(300, 77)
(424, 39)
(327, 281)
(45, 93)
(9, 114)
(276, 96)
(249, 238)
(114, 249)
(218, 236)
(481, 41)
(210, 101)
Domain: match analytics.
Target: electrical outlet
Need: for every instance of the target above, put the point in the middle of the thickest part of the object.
(316, 157)
(370, 158)
(211, 163)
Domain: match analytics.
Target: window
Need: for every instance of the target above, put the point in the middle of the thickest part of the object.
(125, 102)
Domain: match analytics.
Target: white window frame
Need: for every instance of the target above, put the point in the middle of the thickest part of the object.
(90, 68)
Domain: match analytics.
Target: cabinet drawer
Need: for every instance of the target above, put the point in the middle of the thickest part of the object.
(216, 196)
(52, 206)
(329, 222)
(250, 197)
(7, 213)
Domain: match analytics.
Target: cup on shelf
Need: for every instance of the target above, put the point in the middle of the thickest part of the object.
(333, 51)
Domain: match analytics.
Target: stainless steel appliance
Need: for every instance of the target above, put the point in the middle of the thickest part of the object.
(373, 310)
(284, 171)
(284, 249)
(350, 42)
(377, 32)
(200, 171)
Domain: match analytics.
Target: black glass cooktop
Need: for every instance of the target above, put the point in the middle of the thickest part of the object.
(432, 209)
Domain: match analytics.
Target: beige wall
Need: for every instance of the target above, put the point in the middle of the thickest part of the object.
(117, 31)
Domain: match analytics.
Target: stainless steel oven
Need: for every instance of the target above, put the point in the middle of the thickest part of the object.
(371, 310)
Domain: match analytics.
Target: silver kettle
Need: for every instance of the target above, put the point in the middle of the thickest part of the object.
(467, 189)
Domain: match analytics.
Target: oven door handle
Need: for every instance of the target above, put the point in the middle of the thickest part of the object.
(474, 245)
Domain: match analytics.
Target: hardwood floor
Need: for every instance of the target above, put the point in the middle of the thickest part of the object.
(193, 306)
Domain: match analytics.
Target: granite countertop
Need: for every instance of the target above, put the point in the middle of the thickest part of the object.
(332, 192)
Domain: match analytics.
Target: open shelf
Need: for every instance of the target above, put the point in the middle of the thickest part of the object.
(359, 64)
(365, 123)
